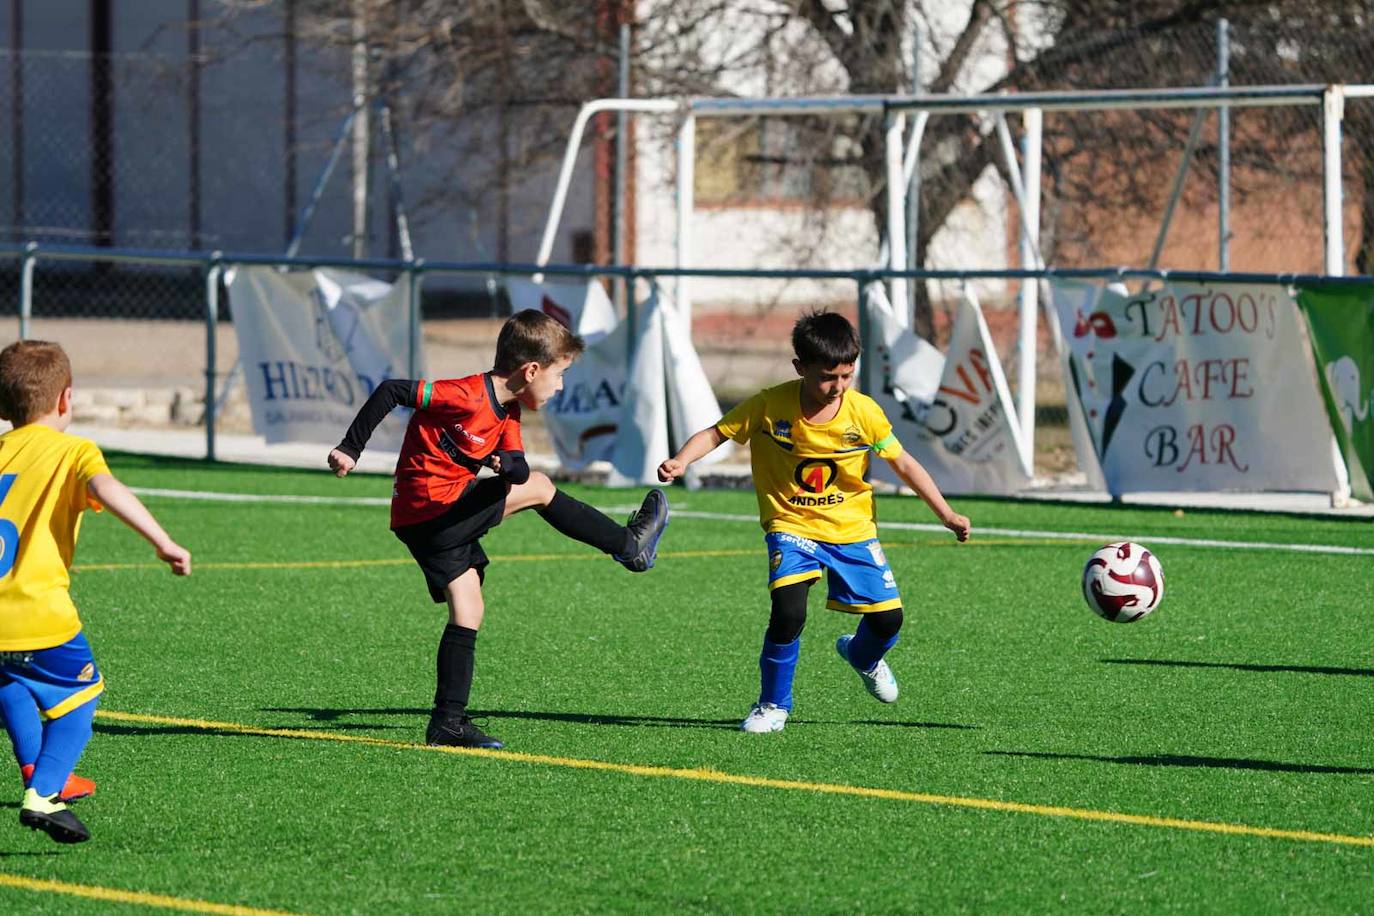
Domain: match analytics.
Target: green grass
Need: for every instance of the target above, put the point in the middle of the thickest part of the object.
(1245, 699)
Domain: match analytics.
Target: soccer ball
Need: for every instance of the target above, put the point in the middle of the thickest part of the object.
(1123, 582)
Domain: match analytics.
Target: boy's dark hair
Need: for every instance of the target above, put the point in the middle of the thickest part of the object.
(33, 373)
(533, 337)
(825, 339)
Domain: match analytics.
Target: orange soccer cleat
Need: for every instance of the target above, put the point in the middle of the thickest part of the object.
(76, 787)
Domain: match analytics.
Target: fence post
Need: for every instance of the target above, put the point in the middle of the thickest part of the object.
(415, 276)
(26, 268)
(865, 326)
(213, 271)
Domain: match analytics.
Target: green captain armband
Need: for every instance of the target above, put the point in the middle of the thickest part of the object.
(889, 439)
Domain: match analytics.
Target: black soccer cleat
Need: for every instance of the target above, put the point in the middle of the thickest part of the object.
(53, 818)
(646, 527)
(458, 731)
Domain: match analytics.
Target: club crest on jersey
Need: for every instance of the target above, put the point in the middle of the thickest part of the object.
(87, 673)
(774, 561)
(852, 436)
(876, 550)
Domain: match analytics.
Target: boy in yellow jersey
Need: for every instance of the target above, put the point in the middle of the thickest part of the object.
(810, 442)
(49, 681)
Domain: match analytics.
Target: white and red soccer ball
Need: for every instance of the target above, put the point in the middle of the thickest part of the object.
(1123, 582)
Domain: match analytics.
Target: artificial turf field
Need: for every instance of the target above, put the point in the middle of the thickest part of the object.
(260, 744)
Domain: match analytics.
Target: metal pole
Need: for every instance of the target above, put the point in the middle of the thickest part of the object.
(27, 265)
(686, 202)
(361, 139)
(1223, 150)
(414, 276)
(1333, 111)
(1179, 177)
(318, 191)
(212, 275)
(1030, 259)
(622, 162)
(913, 186)
(896, 214)
(865, 345)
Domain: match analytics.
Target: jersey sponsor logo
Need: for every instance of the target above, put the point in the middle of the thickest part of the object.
(471, 437)
(815, 475)
(796, 540)
(17, 659)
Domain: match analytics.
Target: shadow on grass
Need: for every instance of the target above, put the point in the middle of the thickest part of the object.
(1235, 666)
(143, 731)
(1184, 760)
(334, 715)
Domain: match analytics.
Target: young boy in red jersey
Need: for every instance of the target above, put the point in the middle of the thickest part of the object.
(49, 682)
(440, 509)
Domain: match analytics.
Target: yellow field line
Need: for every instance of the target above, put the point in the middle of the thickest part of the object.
(521, 558)
(715, 776)
(115, 895)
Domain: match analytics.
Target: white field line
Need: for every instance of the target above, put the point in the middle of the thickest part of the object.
(1029, 534)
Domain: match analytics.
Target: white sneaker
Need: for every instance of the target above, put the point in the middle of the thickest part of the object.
(880, 681)
(764, 718)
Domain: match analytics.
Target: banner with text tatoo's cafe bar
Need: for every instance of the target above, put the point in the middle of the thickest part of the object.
(1340, 324)
(1195, 386)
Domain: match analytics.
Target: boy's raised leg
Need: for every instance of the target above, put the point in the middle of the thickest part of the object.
(633, 545)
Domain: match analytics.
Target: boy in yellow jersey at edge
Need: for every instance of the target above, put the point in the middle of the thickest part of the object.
(810, 442)
(49, 682)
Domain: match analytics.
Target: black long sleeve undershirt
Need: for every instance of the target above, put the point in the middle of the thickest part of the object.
(386, 397)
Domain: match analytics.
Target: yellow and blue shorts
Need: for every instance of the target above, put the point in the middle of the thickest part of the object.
(859, 579)
(60, 679)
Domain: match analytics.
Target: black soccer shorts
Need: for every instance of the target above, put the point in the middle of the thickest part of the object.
(447, 546)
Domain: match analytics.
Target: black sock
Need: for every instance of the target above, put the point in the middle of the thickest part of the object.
(579, 521)
(456, 650)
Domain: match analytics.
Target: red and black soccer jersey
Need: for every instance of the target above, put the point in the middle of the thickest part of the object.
(457, 424)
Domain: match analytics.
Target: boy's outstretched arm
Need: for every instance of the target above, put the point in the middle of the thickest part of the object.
(126, 507)
(699, 446)
(919, 479)
(387, 396)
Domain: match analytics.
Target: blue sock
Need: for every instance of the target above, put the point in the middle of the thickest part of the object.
(22, 722)
(777, 665)
(63, 741)
(866, 649)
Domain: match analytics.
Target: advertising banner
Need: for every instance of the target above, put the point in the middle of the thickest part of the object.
(952, 411)
(626, 401)
(1194, 387)
(313, 345)
(1340, 324)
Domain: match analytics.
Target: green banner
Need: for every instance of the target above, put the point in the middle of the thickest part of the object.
(1340, 322)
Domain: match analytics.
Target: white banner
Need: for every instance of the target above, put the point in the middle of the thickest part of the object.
(584, 418)
(1195, 387)
(313, 345)
(953, 412)
(630, 406)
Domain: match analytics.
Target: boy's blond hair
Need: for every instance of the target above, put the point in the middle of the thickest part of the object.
(33, 374)
(531, 336)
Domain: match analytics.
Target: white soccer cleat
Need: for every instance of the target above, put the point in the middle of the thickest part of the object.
(880, 681)
(764, 718)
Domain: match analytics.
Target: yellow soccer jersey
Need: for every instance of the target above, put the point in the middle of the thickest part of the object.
(810, 477)
(43, 476)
